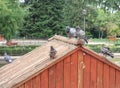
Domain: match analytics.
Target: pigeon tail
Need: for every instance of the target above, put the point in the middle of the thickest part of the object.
(85, 40)
(110, 54)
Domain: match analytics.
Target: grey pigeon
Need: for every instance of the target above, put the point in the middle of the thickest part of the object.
(52, 52)
(7, 58)
(80, 34)
(106, 51)
(71, 32)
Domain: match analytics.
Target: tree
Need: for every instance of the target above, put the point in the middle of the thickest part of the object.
(73, 8)
(112, 25)
(50, 17)
(11, 17)
(45, 18)
(73, 15)
(108, 5)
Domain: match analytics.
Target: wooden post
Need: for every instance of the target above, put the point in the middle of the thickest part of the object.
(80, 69)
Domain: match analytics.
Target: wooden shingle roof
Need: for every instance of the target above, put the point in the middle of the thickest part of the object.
(35, 61)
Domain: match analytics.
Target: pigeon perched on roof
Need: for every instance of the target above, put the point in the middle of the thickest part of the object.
(52, 52)
(7, 58)
(81, 34)
(106, 51)
(71, 32)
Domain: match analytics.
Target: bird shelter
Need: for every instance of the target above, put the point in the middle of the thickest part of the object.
(74, 66)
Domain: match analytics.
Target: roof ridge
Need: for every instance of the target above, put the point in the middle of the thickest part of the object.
(66, 40)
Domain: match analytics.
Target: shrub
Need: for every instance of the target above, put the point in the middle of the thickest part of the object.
(16, 50)
(96, 48)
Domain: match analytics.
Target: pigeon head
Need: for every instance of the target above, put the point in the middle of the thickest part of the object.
(67, 29)
(78, 28)
(5, 54)
(51, 47)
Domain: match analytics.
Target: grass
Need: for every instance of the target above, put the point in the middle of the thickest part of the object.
(115, 47)
(105, 40)
(98, 40)
(116, 60)
(1, 65)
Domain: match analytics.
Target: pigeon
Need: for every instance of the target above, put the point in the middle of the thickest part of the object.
(71, 32)
(81, 34)
(106, 51)
(7, 58)
(76, 32)
(52, 52)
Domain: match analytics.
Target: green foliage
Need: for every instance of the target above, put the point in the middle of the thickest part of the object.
(103, 24)
(50, 17)
(96, 48)
(108, 5)
(45, 19)
(73, 12)
(16, 50)
(11, 17)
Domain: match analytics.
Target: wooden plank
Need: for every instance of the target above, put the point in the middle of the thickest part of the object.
(80, 69)
(117, 79)
(59, 75)
(93, 73)
(44, 79)
(74, 70)
(98, 57)
(99, 74)
(86, 76)
(36, 81)
(67, 72)
(38, 57)
(22, 86)
(66, 40)
(106, 76)
(52, 76)
(112, 77)
(28, 84)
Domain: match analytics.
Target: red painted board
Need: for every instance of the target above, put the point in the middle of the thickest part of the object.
(93, 73)
(80, 68)
(86, 72)
(117, 79)
(44, 79)
(59, 75)
(28, 84)
(52, 77)
(22, 86)
(99, 74)
(67, 72)
(106, 76)
(36, 81)
(112, 77)
(74, 70)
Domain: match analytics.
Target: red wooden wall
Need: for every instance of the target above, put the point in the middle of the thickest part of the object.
(78, 70)
(63, 74)
(100, 73)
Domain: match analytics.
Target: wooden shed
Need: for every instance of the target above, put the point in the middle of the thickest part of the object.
(74, 67)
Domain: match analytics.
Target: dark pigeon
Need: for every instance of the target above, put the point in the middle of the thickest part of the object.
(7, 58)
(71, 32)
(107, 52)
(52, 52)
(81, 34)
